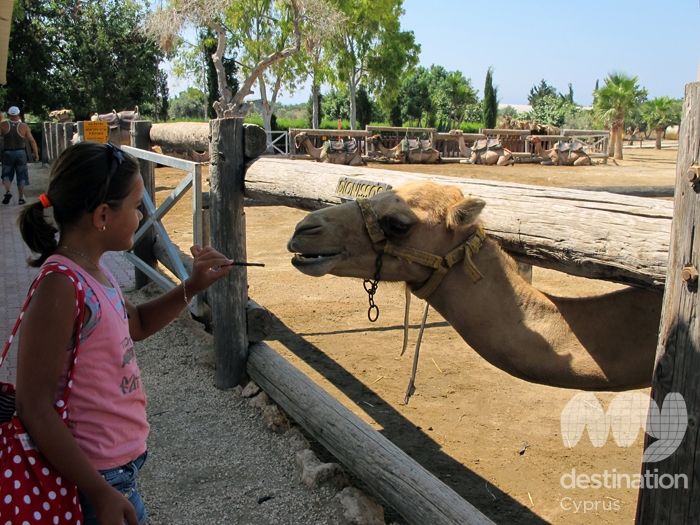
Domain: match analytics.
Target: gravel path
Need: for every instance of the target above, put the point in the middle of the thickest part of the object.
(211, 458)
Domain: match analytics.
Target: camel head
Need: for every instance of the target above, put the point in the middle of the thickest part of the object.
(299, 139)
(375, 139)
(419, 216)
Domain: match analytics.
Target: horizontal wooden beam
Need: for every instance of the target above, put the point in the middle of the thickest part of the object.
(391, 474)
(591, 234)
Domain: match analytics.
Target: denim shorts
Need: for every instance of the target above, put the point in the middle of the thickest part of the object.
(125, 480)
(15, 161)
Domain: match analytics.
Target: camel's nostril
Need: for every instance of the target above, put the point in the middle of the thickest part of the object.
(307, 229)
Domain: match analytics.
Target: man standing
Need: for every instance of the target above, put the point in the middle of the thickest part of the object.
(16, 134)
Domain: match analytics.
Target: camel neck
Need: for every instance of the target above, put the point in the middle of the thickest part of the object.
(516, 327)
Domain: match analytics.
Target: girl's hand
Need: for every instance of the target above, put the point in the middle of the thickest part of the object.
(112, 508)
(208, 267)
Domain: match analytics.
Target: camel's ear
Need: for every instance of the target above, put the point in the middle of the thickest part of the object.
(464, 212)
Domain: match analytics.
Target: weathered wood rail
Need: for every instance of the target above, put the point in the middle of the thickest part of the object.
(591, 234)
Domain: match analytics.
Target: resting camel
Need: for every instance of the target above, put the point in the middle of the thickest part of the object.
(464, 151)
(327, 153)
(405, 152)
(562, 153)
(490, 152)
(607, 342)
(61, 115)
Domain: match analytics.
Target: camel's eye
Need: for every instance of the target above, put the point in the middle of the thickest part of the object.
(395, 226)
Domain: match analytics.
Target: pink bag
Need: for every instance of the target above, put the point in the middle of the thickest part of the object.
(31, 490)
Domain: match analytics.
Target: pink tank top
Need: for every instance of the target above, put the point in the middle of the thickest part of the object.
(107, 404)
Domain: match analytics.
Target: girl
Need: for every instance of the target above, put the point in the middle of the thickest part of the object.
(95, 193)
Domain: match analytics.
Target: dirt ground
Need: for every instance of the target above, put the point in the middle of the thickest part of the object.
(492, 438)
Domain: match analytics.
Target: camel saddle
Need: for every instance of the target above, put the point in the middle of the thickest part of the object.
(116, 120)
(486, 144)
(341, 146)
(568, 147)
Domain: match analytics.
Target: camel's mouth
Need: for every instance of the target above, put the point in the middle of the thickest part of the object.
(315, 264)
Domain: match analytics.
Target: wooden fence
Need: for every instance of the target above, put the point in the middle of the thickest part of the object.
(620, 238)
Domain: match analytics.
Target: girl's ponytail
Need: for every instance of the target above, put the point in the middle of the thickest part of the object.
(38, 233)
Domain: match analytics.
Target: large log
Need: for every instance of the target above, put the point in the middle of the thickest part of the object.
(182, 135)
(591, 234)
(190, 136)
(392, 475)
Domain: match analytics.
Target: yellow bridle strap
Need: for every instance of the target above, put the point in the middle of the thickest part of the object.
(464, 252)
(376, 234)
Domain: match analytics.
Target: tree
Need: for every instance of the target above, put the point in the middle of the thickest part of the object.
(189, 104)
(619, 95)
(365, 111)
(372, 50)
(91, 54)
(660, 113)
(284, 23)
(551, 110)
(413, 100)
(314, 110)
(490, 101)
(336, 104)
(540, 91)
(451, 98)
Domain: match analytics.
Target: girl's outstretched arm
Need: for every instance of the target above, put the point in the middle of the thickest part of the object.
(208, 267)
(45, 338)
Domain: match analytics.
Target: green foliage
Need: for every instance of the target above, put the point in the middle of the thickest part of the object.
(335, 105)
(540, 91)
(310, 109)
(365, 109)
(435, 97)
(662, 112)
(371, 49)
(91, 55)
(551, 110)
(619, 95)
(580, 119)
(490, 110)
(190, 104)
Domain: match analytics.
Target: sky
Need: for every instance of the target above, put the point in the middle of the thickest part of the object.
(657, 41)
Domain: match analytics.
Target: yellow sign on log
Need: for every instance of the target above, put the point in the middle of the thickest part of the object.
(96, 131)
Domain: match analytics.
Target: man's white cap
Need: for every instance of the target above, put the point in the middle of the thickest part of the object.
(14, 110)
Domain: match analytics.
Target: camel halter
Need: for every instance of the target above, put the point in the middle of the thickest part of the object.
(440, 265)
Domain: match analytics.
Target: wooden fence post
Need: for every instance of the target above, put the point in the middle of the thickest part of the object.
(67, 134)
(229, 296)
(677, 366)
(140, 138)
(45, 143)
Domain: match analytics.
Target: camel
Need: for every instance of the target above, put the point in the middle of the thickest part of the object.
(464, 151)
(61, 115)
(119, 124)
(351, 156)
(569, 153)
(408, 151)
(490, 152)
(606, 342)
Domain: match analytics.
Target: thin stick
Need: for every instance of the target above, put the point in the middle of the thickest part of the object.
(238, 263)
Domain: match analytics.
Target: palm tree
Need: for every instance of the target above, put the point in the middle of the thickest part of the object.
(619, 94)
(660, 113)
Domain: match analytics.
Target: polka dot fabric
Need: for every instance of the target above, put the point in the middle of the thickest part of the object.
(31, 490)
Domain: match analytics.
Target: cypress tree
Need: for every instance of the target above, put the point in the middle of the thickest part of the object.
(490, 110)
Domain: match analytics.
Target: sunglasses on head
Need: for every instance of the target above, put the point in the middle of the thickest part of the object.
(116, 158)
